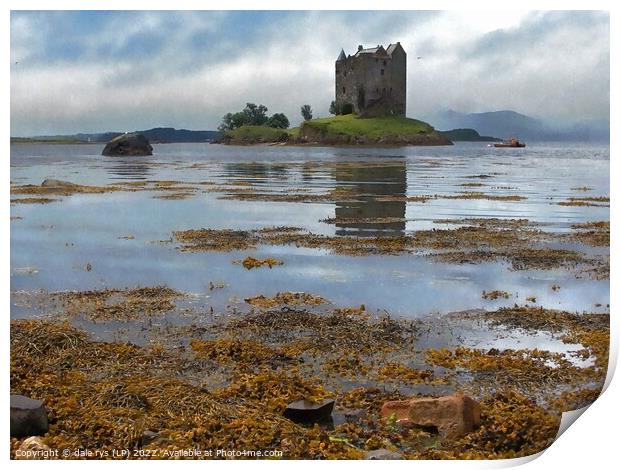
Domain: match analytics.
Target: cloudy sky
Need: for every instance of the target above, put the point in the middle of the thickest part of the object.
(97, 71)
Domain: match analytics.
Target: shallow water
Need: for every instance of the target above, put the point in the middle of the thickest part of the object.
(56, 241)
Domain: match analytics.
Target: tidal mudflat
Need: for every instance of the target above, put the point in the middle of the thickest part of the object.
(183, 300)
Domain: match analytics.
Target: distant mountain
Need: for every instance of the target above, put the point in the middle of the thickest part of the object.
(505, 124)
(169, 134)
(155, 135)
(467, 135)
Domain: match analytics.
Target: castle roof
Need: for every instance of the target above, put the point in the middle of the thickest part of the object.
(392, 47)
(378, 51)
(374, 51)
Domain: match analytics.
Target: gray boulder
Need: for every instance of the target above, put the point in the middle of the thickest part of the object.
(128, 145)
(28, 417)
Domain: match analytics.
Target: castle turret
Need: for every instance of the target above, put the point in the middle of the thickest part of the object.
(341, 56)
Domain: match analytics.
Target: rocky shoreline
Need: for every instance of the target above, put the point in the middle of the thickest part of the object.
(228, 384)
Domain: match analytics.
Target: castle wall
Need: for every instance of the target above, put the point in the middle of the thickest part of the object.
(374, 84)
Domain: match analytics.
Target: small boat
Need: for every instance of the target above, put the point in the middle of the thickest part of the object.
(510, 143)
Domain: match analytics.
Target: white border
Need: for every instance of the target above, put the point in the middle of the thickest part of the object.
(590, 443)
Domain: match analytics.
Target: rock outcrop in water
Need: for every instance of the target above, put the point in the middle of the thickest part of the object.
(128, 145)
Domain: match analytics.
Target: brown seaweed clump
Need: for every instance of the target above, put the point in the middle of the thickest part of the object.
(532, 366)
(403, 373)
(495, 294)
(488, 197)
(251, 263)
(522, 369)
(32, 200)
(592, 233)
(175, 196)
(215, 240)
(274, 389)
(106, 395)
(237, 352)
(285, 298)
(593, 201)
(481, 240)
(60, 188)
(118, 304)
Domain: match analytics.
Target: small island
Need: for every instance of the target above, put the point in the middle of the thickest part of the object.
(346, 129)
(369, 109)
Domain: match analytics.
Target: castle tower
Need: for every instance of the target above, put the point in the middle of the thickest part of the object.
(373, 81)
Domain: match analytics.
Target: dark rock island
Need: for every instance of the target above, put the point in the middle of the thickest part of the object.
(128, 145)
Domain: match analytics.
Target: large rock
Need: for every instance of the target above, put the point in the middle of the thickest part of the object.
(28, 417)
(453, 415)
(128, 144)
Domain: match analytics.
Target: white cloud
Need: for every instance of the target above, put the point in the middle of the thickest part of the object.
(471, 61)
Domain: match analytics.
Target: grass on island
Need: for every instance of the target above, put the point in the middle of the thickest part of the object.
(373, 128)
(349, 125)
(259, 134)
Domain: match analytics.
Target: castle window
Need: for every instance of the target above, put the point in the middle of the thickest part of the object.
(385, 62)
(384, 90)
(377, 90)
(382, 72)
(344, 90)
(390, 89)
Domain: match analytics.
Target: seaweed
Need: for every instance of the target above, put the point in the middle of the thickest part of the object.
(285, 298)
(251, 263)
(495, 294)
(119, 305)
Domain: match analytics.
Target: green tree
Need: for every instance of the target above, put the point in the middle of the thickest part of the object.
(306, 112)
(332, 108)
(240, 119)
(257, 114)
(279, 121)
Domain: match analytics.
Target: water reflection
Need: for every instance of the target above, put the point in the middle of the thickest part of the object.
(263, 172)
(129, 168)
(372, 212)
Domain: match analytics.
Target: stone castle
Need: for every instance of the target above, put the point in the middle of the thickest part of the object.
(373, 81)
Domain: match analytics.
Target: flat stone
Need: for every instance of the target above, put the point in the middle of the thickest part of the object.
(452, 416)
(382, 454)
(28, 417)
(305, 411)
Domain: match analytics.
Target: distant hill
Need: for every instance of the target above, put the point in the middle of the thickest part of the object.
(467, 135)
(505, 124)
(155, 135)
